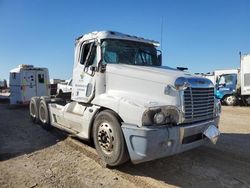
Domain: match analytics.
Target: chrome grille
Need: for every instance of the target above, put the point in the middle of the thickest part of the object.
(198, 104)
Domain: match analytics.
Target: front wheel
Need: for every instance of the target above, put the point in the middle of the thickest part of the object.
(108, 139)
(230, 100)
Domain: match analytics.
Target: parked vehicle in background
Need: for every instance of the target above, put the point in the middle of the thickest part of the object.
(3, 84)
(214, 76)
(233, 88)
(232, 85)
(64, 87)
(219, 73)
(27, 81)
(130, 105)
(53, 85)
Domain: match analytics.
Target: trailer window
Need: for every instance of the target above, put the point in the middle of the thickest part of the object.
(41, 78)
(247, 79)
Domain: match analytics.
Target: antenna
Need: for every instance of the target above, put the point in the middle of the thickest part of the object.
(240, 57)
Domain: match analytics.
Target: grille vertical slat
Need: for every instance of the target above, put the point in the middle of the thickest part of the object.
(198, 104)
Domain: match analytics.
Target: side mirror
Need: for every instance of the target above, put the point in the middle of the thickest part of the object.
(216, 85)
(90, 70)
(93, 68)
(103, 67)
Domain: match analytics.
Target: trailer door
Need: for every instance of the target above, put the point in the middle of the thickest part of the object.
(28, 85)
(41, 85)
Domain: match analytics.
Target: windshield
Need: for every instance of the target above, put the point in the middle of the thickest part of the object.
(227, 79)
(129, 52)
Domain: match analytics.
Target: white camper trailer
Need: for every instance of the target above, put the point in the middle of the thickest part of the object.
(27, 81)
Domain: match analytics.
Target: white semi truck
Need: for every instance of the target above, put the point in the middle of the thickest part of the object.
(130, 105)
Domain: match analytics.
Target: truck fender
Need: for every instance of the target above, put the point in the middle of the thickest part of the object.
(130, 111)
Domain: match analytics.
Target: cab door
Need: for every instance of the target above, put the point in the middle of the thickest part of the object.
(84, 72)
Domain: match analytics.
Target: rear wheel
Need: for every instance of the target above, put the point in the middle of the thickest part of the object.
(44, 114)
(34, 109)
(108, 139)
(230, 100)
(246, 100)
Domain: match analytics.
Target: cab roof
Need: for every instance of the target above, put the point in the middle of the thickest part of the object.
(114, 35)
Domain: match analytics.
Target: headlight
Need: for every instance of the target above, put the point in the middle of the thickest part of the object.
(161, 116)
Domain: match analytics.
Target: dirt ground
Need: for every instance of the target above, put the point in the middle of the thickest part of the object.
(33, 157)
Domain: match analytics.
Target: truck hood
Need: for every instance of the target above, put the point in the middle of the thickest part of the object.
(148, 85)
(161, 74)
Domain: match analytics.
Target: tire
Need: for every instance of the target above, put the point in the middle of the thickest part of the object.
(230, 100)
(246, 100)
(44, 114)
(109, 140)
(33, 108)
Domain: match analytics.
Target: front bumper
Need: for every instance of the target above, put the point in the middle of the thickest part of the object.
(153, 142)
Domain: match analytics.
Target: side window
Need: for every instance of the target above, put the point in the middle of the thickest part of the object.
(41, 78)
(88, 54)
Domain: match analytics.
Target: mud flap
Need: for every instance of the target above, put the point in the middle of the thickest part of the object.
(212, 133)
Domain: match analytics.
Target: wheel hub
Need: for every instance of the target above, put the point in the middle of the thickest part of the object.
(105, 137)
(230, 99)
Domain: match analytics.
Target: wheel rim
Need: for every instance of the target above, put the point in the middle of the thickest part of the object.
(230, 100)
(105, 137)
(42, 114)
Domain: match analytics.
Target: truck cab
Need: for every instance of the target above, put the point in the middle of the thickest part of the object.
(130, 105)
